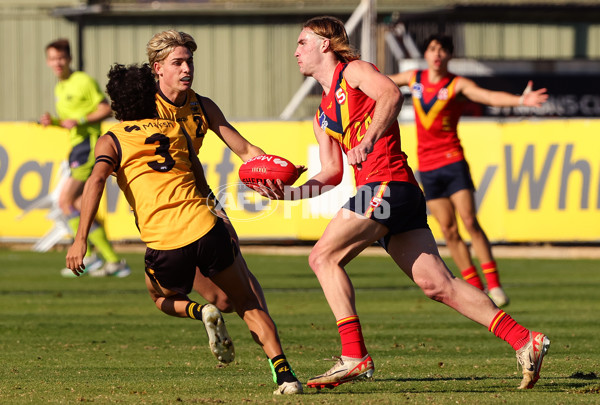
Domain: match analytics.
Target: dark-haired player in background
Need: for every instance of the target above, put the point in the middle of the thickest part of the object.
(161, 177)
(81, 107)
(438, 100)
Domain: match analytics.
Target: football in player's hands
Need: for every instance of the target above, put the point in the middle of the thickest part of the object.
(261, 168)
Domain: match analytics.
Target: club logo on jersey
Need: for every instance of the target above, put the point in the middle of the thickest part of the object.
(417, 90)
(443, 94)
(323, 121)
(375, 202)
(340, 96)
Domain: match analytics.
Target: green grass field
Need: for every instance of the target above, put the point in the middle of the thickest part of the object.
(103, 341)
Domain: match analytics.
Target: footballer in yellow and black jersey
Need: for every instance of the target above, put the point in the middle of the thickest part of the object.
(191, 116)
(154, 172)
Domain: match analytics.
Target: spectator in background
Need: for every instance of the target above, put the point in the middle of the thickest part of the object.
(438, 97)
(80, 108)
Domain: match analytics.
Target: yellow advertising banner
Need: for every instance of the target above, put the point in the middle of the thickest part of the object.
(536, 181)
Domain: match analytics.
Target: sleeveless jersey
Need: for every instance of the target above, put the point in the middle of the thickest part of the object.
(154, 172)
(190, 116)
(437, 111)
(76, 97)
(345, 114)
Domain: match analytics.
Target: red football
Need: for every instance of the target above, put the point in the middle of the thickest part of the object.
(268, 167)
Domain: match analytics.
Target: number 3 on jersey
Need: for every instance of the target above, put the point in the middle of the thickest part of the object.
(163, 151)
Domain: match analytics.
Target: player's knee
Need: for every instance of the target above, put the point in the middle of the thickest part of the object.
(317, 260)
(451, 233)
(224, 304)
(65, 205)
(472, 225)
(432, 289)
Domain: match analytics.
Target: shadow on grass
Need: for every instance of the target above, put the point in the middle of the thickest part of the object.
(577, 385)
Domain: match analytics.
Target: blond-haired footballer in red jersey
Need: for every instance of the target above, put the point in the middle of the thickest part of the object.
(345, 114)
(438, 97)
(388, 206)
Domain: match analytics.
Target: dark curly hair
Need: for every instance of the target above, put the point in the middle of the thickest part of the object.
(132, 91)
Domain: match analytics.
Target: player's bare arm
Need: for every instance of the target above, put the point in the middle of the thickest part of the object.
(473, 92)
(332, 171)
(228, 134)
(388, 98)
(402, 78)
(106, 158)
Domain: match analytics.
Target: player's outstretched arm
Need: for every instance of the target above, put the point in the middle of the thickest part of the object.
(402, 78)
(332, 171)
(106, 160)
(530, 98)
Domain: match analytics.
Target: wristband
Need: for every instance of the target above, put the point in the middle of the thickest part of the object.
(521, 99)
(83, 120)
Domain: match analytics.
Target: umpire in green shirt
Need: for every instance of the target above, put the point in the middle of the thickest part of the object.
(80, 108)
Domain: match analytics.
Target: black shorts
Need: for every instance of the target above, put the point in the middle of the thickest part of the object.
(398, 205)
(175, 269)
(81, 160)
(447, 180)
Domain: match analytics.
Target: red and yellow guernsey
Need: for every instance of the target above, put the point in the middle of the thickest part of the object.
(437, 111)
(345, 114)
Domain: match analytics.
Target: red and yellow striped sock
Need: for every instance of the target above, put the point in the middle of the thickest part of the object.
(507, 329)
(353, 344)
(470, 276)
(491, 274)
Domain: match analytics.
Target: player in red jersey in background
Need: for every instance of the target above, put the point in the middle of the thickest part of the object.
(438, 98)
(358, 114)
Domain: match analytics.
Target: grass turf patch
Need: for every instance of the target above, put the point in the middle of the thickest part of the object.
(102, 340)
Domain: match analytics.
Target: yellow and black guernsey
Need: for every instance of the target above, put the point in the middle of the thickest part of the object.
(154, 172)
(190, 115)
